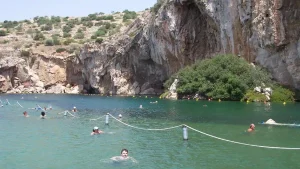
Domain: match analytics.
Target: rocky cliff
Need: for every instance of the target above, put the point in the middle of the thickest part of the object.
(156, 45)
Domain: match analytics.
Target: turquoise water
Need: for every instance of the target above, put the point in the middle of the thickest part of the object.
(65, 142)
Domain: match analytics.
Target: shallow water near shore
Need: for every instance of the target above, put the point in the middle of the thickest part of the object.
(65, 141)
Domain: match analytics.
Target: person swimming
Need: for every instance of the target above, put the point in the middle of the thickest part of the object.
(270, 121)
(251, 128)
(96, 131)
(43, 115)
(74, 109)
(25, 114)
(124, 156)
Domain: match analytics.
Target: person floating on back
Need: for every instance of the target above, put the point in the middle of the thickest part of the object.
(251, 128)
(96, 131)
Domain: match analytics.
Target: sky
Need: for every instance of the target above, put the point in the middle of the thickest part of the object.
(16, 10)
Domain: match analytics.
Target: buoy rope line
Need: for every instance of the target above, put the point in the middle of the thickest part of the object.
(209, 135)
(19, 104)
(98, 118)
(72, 114)
(8, 102)
(168, 128)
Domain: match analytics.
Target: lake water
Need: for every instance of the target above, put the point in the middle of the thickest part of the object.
(65, 142)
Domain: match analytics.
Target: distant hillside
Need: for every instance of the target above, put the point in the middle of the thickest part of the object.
(63, 34)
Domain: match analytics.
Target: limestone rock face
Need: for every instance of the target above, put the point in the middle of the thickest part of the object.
(155, 46)
(265, 32)
(37, 73)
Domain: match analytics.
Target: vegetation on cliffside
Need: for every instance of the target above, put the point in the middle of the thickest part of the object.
(227, 77)
(47, 34)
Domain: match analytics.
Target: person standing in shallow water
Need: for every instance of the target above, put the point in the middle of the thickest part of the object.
(251, 128)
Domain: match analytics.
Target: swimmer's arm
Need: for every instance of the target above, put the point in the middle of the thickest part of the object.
(133, 160)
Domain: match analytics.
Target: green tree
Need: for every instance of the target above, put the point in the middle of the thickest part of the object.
(222, 77)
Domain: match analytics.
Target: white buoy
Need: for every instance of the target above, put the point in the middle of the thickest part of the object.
(185, 133)
(120, 115)
(106, 119)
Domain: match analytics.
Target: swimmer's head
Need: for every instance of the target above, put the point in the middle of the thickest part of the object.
(252, 126)
(124, 153)
(25, 112)
(74, 107)
(96, 128)
(43, 113)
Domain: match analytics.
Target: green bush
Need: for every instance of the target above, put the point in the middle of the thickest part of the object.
(25, 53)
(107, 25)
(92, 16)
(49, 42)
(9, 24)
(253, 96)
(129, 15)
(56, 41)
(59, 50)
(47, 27)
(68, 41)
(222, 77)
(281, 94)
(39, 36)
(79, 35)
(88, 24)
(83, 28)
(157, 6)
(100, 32)
(2, 33)
(66, 19)
(66, 35)
(99, 23)
(79, 30)
(93, 37)
(99, 40)
(55, 19)
(67, 29)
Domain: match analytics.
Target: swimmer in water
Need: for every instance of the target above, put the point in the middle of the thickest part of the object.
(25, 114)
(251, 128)
(74, 109)
(124, 156)
(96, 131)
(43, 115)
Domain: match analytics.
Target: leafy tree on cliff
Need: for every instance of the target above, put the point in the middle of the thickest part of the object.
(222, 77)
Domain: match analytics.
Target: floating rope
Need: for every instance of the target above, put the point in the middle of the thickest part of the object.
(144, 128)
(8, 102)
(97, 118)
(19, 104)
(252, 145)
(72, 114)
